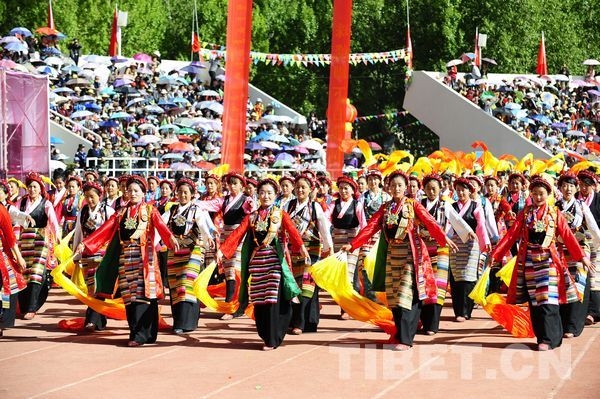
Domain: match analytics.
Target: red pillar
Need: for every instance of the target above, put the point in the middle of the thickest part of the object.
(338, 85)
(237, 60)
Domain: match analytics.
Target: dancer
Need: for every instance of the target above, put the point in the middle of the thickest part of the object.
(130, 262)
(406, 275)
(540, 278)
(265, 272)
(194, 231)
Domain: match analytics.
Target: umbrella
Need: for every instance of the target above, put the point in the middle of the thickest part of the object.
(181, 147)
(20, 31)
(81, 114)
(62, 90)
(205, 165)
(216, 108)
(575, 133)
(10, 39)
(126, 89)
(135, 101)
(169, 126)
(541, 119)
(466, 57)
(187, 130)
(121, 115)
(453, 63)
(284, 156)
(16, 47)
(122, 82)
(282, 164)
(559, 126)
(71, 68)
(54, 61)
(195, 67)
(250, 167)
(374, 146)
(62, 157)
(181, 166)
(51, 51)
(561, 78)
(108, 124)
(56, 140)
(279, 138)
(154, 109)
(93, 107)
(270, 145)
(594, 92)
(149, 138)
(167, 80)
(180, 100)
(47, 70)
(254, 147)
(47, 31)
(170, 140)
(142, 57)
(77, 82)
(583, 122)
(264, 135)
(311, 145)
(221, 78)
(489, 61)
(108, 91)
(209, 93)
(147, 126)
(276, 118)
(511, 106)
(552, 140)
(118, 59)
(203, 104)
(301, 150)
(591, 62)
(172, 156)
(57, 165)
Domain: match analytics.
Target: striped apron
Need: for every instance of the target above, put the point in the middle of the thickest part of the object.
(235, 262)
(342, 237)
(440, 262)
(183, 269)
(399, 275)
(131, 275)
(465, 261)
(34, 249)
(89, 264)
(265, 276)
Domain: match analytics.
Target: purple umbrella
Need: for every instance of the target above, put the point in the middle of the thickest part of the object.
(284, 156)
(142, 57)
(254, 147)
(594, 92)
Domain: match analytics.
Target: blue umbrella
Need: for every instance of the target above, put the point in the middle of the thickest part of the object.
(16, 47)
(56, 140)
(51, 51)
(512, 106)
(93, 107)
(71, 68)
(108, 124)
(250, 167)
(552, 140)
(20, 31)
(195, 67)
(559, 125)
(120, 115)
(284, 156)
(108, 90)
(254, 147)
(262, 136)
(541, 119)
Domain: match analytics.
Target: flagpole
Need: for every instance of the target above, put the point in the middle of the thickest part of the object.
(192, 46)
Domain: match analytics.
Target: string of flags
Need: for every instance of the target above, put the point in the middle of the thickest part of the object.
(388, 115)
(211, 51)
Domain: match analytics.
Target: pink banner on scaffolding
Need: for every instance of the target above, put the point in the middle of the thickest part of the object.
(24, 124)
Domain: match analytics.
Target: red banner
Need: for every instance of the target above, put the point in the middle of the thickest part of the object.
(338, 85)
(239, 29)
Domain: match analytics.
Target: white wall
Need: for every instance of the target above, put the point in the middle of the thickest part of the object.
(458, 122)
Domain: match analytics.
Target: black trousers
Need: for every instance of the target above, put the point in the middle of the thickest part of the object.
(407, 320)
(305, 315)
(430, 317)
(91, 316)
(142, 318)
(573, 314)
(461, 303)
(7, 316)
(273, 320)
(163, 258)
(185, 315)
(547, 325)
(594, 306)
(33, 297)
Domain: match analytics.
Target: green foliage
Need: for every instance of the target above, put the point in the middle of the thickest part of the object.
(441, 30)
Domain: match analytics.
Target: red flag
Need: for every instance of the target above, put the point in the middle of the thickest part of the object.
(409, 49)
(477, 59)
(542, 64)
(113, 48)
(195, 43)
(50, 23)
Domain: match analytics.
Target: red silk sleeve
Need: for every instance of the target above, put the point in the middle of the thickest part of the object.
(8, 236)
(372, 227)
(229, 246)
(104, 234)
(430, 224)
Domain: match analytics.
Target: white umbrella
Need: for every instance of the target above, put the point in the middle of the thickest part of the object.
(311, 145)
(54, 61)
(175, 128)
(276, 118)
(270, 145)
(62, 157)
(181, 166)
(147, 126)
(81, 114)
(279, 138)
(57, 165)
(209, 93)
(575, 133)
(591, 62)
(561, 78)
(149, 139)
(216, 107)
(453, 63)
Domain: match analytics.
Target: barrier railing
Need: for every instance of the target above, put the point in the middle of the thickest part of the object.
(63, 120)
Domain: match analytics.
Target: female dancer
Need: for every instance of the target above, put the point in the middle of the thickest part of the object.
(111, 190)
(213, 193)
(265, 272)
(34, 244)
(194, 231)
(584, 228)
(93, 215)
(442, 211)
(71, 205)
(11, 265)
(314, 227)
(465, 262)
(347, 218)
(540, 277)
(130, 261)
(406, 275)
(287, 184)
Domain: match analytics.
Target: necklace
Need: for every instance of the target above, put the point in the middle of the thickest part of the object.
(393, 214)
(131, 221)
(262, 220)
(537, 219)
